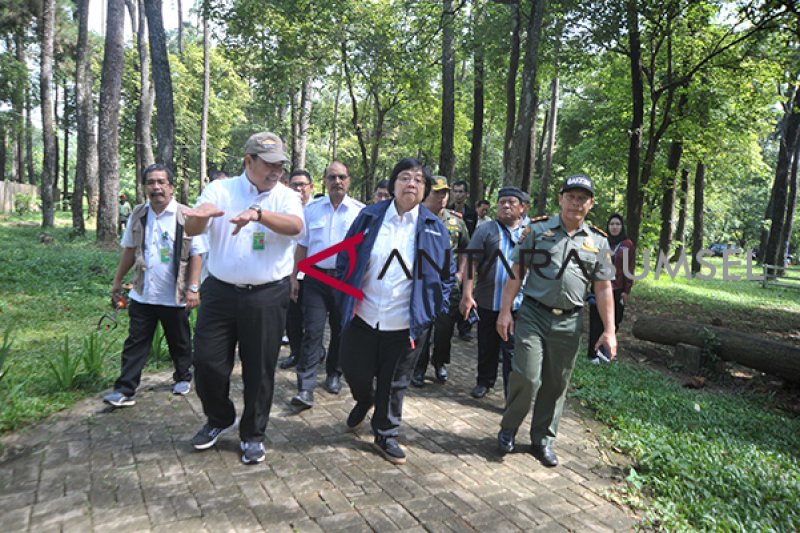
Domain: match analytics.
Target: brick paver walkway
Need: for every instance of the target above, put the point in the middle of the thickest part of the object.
(93, 468)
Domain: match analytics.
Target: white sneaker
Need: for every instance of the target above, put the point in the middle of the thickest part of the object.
(182, 388)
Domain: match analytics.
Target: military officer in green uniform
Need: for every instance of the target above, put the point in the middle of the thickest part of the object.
(445, 323)
(562, 255)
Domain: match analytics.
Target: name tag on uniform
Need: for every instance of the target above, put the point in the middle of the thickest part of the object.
(258, 240)
(164, 253)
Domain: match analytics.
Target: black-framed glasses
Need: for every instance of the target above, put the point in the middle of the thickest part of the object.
(299, 185)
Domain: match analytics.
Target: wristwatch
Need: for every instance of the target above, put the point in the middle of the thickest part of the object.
(257, 209)
(193, 287)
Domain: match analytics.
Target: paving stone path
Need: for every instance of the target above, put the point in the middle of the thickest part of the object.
(97, 469)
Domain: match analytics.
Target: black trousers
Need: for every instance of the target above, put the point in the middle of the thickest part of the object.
(378, 365)
(442, 334)
(596, 323)
(141, 329)
(294, 322)
(490, 348)
(318, 304)
(254, 318)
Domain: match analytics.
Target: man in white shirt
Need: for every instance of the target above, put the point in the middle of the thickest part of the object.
(251, 221)
(327, 221)
(166, 266)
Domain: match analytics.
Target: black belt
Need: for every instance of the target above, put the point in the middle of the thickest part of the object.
(327, 271)
(248, 286)
(554, 310)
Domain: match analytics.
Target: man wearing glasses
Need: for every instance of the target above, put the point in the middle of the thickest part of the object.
(327, 221)
(252, 221)
(300, 181)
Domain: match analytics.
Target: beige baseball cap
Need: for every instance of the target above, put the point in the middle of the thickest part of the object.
(267, 146)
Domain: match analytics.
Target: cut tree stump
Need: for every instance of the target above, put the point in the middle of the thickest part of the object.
(768, 356)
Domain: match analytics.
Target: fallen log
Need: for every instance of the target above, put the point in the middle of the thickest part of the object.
(779, 359)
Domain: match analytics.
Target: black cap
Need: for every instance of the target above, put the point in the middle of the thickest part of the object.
(578, 181)
(515, 192)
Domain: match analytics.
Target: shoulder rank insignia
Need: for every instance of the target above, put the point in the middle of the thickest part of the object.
(456, 213)
(539, 219)
(598, 230)
(524, 234)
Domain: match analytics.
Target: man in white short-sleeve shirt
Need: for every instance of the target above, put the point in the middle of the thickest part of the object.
(250, 221)
(327, 221)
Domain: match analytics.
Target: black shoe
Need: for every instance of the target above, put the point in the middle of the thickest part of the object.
(441, 374)
(479, 391)
(289, 362)
(466, 336)
(418, 380)
(304, 399)
(391, 451)
(357, 415)
(333, 384)
(505, 440)
(545, 455)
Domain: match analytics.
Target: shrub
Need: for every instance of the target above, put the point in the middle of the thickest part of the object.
(64, 366)
(23, 203)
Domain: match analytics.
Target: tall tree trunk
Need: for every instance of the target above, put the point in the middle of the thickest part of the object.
(84, 116)
(296, 102)
(791, 200)
(2, 152)
(531, 154)
(335, 125)
(697, 216)
(47, 30)
(18, 107)
(476, 148)
(162, 82)
(447, 158)
(144, 109)
(552, 125)
(56, 124)
(680, 230)
(29, 139)
(304, 119)
(65, 123)
(357, 127)
(775, 253)
(180, 30)
(633, 205)
(511, 84)
(206, 90)
(668, 196)
(522, 131)
(108, 145)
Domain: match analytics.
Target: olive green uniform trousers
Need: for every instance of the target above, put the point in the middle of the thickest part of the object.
(544, 355)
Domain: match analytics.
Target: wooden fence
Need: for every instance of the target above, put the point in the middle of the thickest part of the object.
(789, 278)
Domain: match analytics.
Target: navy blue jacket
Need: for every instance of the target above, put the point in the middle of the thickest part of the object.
(430, 293)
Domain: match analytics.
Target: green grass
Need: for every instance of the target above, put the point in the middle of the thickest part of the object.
(705, 461)
(49, 292)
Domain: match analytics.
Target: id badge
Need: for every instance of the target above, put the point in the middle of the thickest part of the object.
(164, 252)
(258, 240)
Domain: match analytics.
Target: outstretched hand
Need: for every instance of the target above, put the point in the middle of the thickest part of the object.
(204, 210)
(242, 219)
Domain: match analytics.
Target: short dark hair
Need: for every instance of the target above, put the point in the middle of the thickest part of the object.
(462, 182)
(216, 174)
(383, 184)
(406, 164)
(481, 202)
(300, 172)
(156, 167)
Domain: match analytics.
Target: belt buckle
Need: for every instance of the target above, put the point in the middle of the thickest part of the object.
(557, 312)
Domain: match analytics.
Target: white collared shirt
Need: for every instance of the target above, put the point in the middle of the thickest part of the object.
(232, 258)
(387, 302)
(159, 277)
(326, 226)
